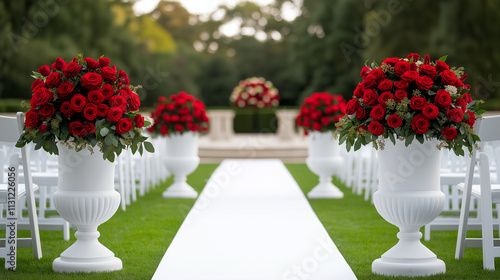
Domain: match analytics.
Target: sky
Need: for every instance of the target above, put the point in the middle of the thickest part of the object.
(204, 7)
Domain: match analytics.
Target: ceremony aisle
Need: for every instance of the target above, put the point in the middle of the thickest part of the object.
(141, 235)
(252, 221)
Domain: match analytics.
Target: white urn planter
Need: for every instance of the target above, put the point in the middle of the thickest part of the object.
(408, 197)
(181, 160)
(86, 198)
(324, 160)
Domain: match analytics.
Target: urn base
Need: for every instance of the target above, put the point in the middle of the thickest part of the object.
(325, 190)
(408, 267)
(180, 190)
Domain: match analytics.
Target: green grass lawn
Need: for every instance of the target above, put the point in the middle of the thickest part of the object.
(140, 235)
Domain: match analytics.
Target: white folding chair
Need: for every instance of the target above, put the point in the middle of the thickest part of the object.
(486, 193)
(11, 130)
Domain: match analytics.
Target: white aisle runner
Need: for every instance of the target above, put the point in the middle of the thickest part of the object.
(252, 221)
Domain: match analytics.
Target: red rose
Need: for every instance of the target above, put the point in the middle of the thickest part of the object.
(78, 101)
(385, 85)
(41, 96)
(37, 84)
(107, 91)
(53, 79)
(417, 102)
(472, 119)
(88, 128)
(441, 66)
(316, 126)
(102, 110)
(77, 129)
(91, 64)
(174, 118)
(376, 128)
(95, 96)
(377, 74)
(139, 121)
(171, 107)
(401, 84)
(352, 106)
(430, 111)
(360, 114)
(164, 129)
(91, 80)
(66, 109)
(460, 102)
(449, 133)
(456, 114)
(314, 115)
(424, 83)
(364, 71)
(391, 61)
(65, 89)
(194, 127)
(410, 76)
(448, 77)
(123, 125)
(458, 83)
(103, 61)
(415, 57)
(384, 97)
(428, 70)
(394, 121)
(43, 127)
(71, 69)
(370, 97)
(358, 92)
(420, 124)
(44, 70)
(32, 118)
(114, 114)
(369, 82)
(47, 111)
(90, 111)
(400, 94)
(378, 112)
(123, 77)
(108, 74)
(118, 101)
(134, 102)
(401, 67)
(59, 64)
(179, 127)
(442, 99)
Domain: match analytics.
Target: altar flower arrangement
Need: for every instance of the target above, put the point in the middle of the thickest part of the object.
(411, 99)
(179, 113)
(255, 92)
(320, 112)
(84, 103)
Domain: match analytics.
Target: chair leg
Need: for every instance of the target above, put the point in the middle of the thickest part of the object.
(487, 233)
(35, 234)
(462, 225)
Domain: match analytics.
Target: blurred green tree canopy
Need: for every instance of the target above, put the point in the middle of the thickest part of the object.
(169, 50)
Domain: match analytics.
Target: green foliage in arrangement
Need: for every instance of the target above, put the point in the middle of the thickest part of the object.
(141, 235)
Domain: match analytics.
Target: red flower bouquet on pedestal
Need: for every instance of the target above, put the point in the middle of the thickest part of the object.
(84, 103)
(179, 113)
(411, 98)
(320, 112)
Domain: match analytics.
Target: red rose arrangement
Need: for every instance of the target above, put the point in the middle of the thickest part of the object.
(84, 103)
(320, 112)
(255, 93)
(411, 98)
(177, 114)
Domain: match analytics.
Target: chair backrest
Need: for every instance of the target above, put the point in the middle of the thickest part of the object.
(488, 129)
(10, 129)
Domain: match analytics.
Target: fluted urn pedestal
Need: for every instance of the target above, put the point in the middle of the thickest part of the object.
(324, 160)
(409, 196)
(86, 198)
(181, 160)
